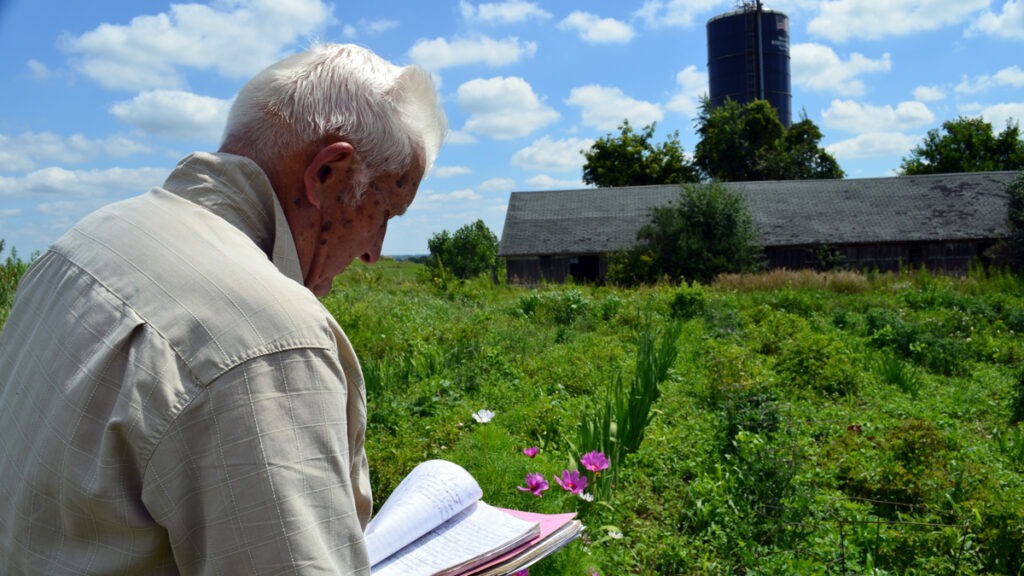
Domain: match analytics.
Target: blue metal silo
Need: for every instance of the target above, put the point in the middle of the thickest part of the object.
(748, 58)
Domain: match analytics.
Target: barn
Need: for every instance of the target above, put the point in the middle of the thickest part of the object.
(942, 222)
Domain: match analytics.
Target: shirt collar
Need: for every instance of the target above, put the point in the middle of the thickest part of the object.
(236, 189)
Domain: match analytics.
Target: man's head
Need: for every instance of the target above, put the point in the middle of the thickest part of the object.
(345, 138)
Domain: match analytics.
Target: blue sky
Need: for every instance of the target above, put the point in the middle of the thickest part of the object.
(101, 98)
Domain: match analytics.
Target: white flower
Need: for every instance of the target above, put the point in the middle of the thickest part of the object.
(615, 535)
(586, 496)
(483, 416)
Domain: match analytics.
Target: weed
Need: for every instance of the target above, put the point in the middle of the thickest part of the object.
(898, 373)
(617, 427)
(688, 301)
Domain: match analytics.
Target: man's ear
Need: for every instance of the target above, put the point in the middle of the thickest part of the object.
(329, 170)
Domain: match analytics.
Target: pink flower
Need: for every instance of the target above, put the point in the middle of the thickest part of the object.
(572, 481)
(595, 461)
(531, 451)
(594, 572)
(535, 484)
(523, 572)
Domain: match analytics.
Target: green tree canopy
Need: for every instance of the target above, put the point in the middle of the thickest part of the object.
(709, 231)
(471, 251)
(966, 145)
(632, 159)
(745, 142)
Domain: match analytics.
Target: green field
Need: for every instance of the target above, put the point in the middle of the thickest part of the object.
(809, 423)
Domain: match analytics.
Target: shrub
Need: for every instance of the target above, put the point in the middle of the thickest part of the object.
(632, 267)
(471, 251)
(708, 232)
(906, 465)
(818, 362)
(688, 301)
(828, 257)
(560, 307)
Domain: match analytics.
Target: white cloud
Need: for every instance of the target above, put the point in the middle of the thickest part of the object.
(818, 68)
(37, 69)
(459, 137)
(112, 182)
(450, 171)
(455, 196)
(497, 185)
(175, 114)
(596, 30)
(368, 27)
(1007, 24)
(928, 93)
(874, 144)
(605, 107)
(999, 114)
(692, 85)
(676, 13)
(553, 155)
(1012, 76)
(503, 108)
(236, 38)
(859, 118)
(23, 152)
(545, 182)
(440, 53)
(378, 26)
(842, 20)
(511, 12)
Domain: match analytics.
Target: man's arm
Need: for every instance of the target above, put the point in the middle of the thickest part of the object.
(254, 477)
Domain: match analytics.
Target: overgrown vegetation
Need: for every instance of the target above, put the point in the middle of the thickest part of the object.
(807, 423)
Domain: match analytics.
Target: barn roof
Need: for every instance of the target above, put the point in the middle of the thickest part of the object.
(942, 207)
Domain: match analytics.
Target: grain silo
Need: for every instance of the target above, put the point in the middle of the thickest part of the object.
(748, 58)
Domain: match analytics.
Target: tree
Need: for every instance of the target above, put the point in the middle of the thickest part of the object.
(632, 159)
(471, 251)
(745, 142)
(708, 232)
(966, 145)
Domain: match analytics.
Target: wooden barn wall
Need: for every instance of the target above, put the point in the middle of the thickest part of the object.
(589, 268)
(950, 257)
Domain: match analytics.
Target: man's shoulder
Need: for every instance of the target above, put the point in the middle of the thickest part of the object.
(213, 294)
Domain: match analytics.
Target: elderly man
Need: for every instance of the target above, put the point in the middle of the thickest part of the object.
(173, 396)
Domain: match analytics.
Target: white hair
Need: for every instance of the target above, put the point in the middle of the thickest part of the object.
(335, 92)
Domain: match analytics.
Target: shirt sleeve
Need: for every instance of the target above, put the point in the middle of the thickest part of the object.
(254, 476)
